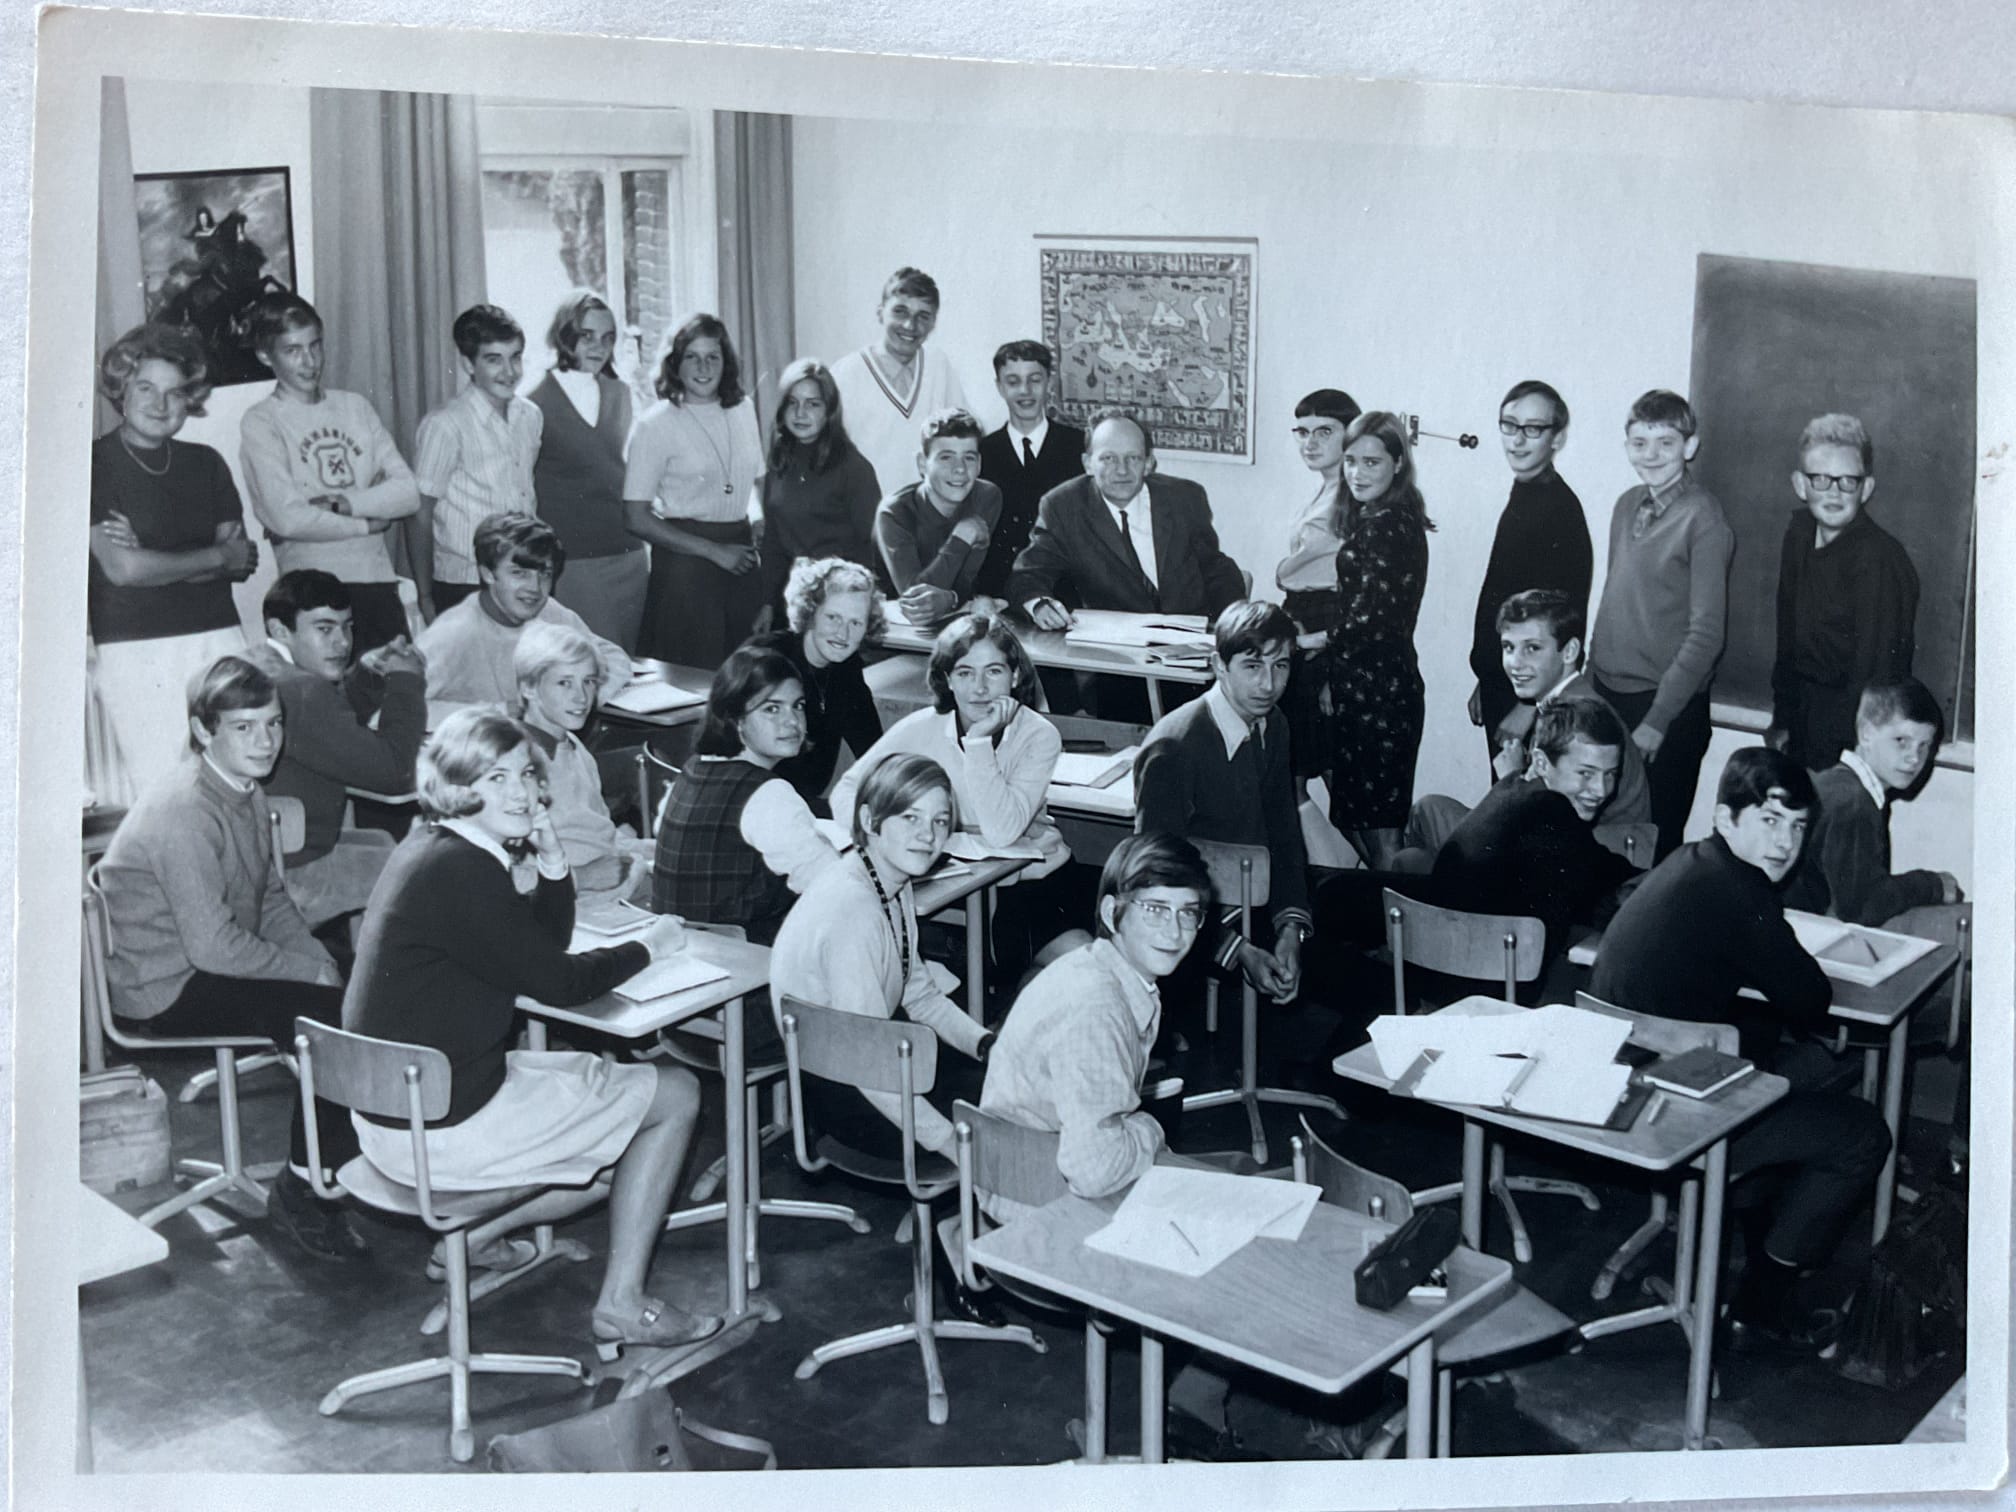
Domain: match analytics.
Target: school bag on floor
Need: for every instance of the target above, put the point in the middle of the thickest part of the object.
(643, 1432)
(1911, 1308)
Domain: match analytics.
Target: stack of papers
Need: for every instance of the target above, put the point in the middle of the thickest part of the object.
(1556, 1061)
(651, 694)
(612, 922)
(675, 973)
(1190, 1221)
(1111, 627)
(1094, 769)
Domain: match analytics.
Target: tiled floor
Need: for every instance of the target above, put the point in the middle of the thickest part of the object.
(217, 1358)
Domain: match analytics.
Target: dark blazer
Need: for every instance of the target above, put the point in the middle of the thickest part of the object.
(1061, 459)
(1075, 553)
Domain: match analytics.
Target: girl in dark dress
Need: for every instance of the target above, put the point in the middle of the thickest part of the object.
(819, 494)
(1307, 575)
(1374, 704)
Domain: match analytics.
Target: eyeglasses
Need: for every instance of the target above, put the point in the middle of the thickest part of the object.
(1833, 482)
(1189, 917)
(1531, 430)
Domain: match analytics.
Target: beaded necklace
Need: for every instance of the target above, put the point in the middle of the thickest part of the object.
(892, 914)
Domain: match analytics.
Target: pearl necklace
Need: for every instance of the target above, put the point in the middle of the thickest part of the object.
(167, 450)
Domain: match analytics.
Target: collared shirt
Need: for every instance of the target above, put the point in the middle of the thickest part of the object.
(1655, 504)
(490, 845)
(236, 784)
(1555, 692)
(282, 650)
(582, 391)
(1032, 439)
(1235, 730)
(475, 463)
(1867, 777)
(1139, 526)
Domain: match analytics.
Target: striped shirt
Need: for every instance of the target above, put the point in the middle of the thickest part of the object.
(475, 463)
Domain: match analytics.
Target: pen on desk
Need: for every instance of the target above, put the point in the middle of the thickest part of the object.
(1519, 1079)
(1185, 1238)
(1658, 1106)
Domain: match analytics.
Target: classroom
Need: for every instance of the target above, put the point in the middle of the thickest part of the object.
(1418, 336)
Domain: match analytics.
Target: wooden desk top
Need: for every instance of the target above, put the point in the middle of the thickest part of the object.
(1114, 801)
(1051, 648)
(943, 892)
(689, 679)
(1882, 1005)
(748, 968)
(1687, 1127)
(1287, 1309)
(110, 1241)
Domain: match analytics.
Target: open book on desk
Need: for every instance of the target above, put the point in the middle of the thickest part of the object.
(1094, 769)
(674, 973)
(651, 694)
(1855, 952)
(1557, 1061)
(1191, 1221)
(1113, 627)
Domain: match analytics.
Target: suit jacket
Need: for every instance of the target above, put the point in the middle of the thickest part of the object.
(1075, 553)
(1022, 486)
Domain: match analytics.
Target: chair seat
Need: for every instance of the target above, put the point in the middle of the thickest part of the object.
(1519, 1320)
(369, 1185)
(133, 1033)
(709, 1060)
(935, 1173)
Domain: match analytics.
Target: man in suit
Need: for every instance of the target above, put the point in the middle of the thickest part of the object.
(1025, 458)
(1123, 537)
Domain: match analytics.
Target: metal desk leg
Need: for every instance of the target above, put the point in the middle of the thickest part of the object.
(1152, 1405)
(734, 1069)
(1893, 1115)
(1708, 1275)
(1154, 699)
(976, 955)
(1421, 1400)
(1473, 1184)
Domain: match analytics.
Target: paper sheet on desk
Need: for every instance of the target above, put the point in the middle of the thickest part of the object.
(1094, 769)
(967, 846)
(675, 973)
(652, 695)
(1556, 1061)
(1111, 627)
(1190, 1221)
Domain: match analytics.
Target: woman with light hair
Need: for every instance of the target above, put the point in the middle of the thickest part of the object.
(167, 542)
(559, 683)
(833, 608)
(475, 908)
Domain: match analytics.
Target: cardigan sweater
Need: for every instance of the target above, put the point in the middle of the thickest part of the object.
(190, 886)
(1070, 1059)
(448, 945)
(1845, 867)
(1000, 782)
(1702, 926)
(838, 706)
(1665, 609)
(579, 475)
(331, 746)
(917, 543)
(839, 950)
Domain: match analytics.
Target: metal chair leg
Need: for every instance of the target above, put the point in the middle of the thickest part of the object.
(203, 1081)
(227, 1177)
(1613, 1268)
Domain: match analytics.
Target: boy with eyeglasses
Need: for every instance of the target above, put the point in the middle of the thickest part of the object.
(1847, 597)
(1542, 540)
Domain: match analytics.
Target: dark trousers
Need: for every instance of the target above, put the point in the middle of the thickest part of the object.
(253, 1006)
(1671, 774)
(1816, 1154)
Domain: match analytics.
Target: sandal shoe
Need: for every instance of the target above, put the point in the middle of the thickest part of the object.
(499, 1255)
(655, 1325)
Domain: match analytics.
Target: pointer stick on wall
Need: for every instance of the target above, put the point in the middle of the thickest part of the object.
(1415, 433)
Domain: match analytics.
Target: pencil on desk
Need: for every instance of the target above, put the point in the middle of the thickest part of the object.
(1519, 1079)
(1185, 1238)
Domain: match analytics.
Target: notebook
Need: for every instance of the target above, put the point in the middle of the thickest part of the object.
(652, 695)
(675, 973)
(1093, 769)
(610, 923)
(1700, 1072)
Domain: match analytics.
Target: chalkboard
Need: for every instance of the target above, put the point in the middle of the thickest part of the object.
(1776, 343)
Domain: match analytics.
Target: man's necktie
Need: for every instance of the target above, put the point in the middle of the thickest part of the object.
(1134, 557)
(1028, 453)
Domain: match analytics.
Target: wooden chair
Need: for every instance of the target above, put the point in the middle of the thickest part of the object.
(288, 820)
(1241, 872)
(386, 1079)
(882, 1055)
(1002, 1159)
(1668, 1037)
(1636, 843)
(1482, 947)
(229, 1175)
(1517, 1322)
(699, 1044)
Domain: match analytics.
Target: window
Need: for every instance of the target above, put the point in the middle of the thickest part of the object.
(614, 199)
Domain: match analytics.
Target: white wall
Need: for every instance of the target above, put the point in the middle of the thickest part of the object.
(180, 129)
(1424, 277)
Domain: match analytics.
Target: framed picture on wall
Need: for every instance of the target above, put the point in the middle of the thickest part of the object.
(212, 245)
(1163, 325)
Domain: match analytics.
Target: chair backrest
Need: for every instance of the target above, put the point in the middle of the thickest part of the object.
(1636, 843)
(1241, 874)
(651, 770)
(860, 1051)
(371, 1075)
(100, 946)
(289, 819)
(1666, 1035)
(1001, 1158)
(1347, 1184)
(1484, 947)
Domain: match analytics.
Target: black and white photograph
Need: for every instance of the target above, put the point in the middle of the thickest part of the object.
(794, 763)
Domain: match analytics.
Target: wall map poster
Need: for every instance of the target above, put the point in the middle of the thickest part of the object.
(1163, 326)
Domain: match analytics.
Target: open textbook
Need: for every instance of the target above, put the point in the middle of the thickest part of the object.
(1556, 1061)
(1191, 1221)
(1855, 952)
